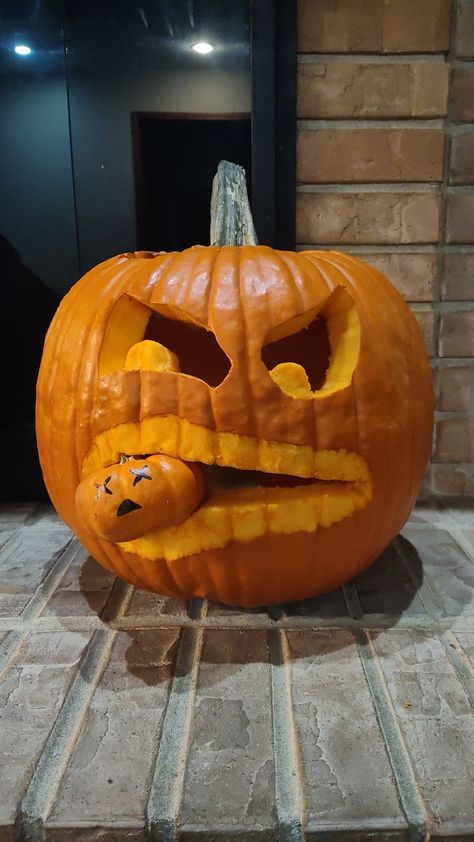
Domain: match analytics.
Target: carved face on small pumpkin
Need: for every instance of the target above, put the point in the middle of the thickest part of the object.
(237, 423)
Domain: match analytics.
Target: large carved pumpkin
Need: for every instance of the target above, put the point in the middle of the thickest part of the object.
(290, 393)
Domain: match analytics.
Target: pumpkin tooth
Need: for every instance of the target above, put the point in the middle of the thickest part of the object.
(178, 437)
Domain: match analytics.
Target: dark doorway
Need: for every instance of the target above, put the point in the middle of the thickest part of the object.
(175, 159)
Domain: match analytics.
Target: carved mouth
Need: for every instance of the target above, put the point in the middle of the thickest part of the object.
(253, 487)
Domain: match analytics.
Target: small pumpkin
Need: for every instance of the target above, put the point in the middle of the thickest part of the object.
(288, 395)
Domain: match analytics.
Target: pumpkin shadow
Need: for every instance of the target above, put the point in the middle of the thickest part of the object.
(236, 638)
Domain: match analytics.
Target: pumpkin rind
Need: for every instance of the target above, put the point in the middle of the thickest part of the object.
(383, 415)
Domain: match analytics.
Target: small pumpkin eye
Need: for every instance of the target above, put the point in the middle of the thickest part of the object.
(315, 353)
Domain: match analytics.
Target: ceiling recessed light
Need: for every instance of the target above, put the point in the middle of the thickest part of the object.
(203, 47)
(22, 50)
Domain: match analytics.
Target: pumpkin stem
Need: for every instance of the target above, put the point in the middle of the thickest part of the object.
(231, 217)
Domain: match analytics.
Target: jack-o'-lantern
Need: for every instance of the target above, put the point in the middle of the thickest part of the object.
(234, 422)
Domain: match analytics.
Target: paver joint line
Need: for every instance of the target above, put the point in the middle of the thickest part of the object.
(167, 784)
(288, 779)
(399, 758)
(63, 737)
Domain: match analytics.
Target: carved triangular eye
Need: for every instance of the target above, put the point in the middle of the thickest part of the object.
(315, 353)
(160, 339)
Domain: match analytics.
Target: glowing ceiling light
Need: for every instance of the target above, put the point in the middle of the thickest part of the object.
(22, 50)
(203, 47)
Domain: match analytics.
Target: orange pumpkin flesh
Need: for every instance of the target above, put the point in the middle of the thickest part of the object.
(328, 462)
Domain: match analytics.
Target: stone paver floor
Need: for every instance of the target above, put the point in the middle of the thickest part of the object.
(128, 716)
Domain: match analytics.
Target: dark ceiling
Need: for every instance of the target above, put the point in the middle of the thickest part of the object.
(150, 34)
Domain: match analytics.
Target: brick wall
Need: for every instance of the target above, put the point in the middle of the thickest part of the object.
(385, 167)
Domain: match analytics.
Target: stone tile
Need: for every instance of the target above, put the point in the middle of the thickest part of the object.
(455, 388)
(108, 776)
(460, 218)
(360, 26)
(414, 275)
(31, 695)
(466, 639)
(448, 571)
(454, 440)
(339, 735)
(13, 515)
(219, 610)
(229, 783)
(459, 277)
(462, 158)
(364, 155)
(457, 334)
(426, 511)
(146, 604)
(435, 719)
(27, 559)
(367, 218)
(83, 591)
(327, 607)
(462, 94)
(95, 833)
(462, 511)
(363, 90)
(449, 479)
(464, 35)
(387, 588)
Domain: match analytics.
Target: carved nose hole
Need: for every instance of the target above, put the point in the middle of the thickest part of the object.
(197, 349)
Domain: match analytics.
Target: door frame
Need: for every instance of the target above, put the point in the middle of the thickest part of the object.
(273, 74)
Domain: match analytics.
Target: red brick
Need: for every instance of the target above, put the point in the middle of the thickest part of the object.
(414, 275)
(342, 218)
(455, 388)
(457, 334)
(354, 89)
(359, 26)
(464, 37)
(462, 94)
(462, 158)
(454, 440)
(460, 218)
(459, 277)
(365, 155)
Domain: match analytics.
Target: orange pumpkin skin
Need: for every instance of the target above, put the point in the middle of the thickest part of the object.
(242, 294)
(122, 502)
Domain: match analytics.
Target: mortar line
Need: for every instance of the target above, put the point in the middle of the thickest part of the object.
(117, 603)
(351, 598)
(370, 58)
(350, 187)
(374, 621)
(370, 123)
(288, 782)
(168, 779)
(410, 798)
(59, 746)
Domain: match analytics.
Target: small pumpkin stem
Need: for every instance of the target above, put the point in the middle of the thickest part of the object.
(231, 217)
